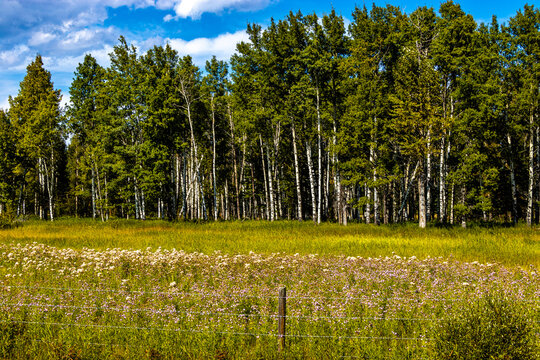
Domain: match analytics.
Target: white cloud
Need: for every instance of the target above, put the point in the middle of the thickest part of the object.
(202, 49)
(195, 8)
(40, 38)
(10, 58)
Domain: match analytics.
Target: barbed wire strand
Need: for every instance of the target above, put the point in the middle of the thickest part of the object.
(292, 297)
(203, 313)
(173, 291)
(240, 315)
(120, 327)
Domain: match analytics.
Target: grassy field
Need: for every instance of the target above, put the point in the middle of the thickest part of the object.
(509, 246)
(78, 289)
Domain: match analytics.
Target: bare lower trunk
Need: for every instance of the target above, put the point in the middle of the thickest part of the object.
(421, 200)
(253, 201)
(531, 174)
(311, 183)
(512, 180)
(270, 187)
(428, 177)
(235, 166)
(214, 180)
(319, 146)
(442, 183)
(297, 173)
(267, 210)
(367, 213)
(93, 193)
(395, 204)
(100, 196)
(452, 193)
(463, 204)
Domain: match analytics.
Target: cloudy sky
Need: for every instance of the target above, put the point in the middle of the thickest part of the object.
(63, 31)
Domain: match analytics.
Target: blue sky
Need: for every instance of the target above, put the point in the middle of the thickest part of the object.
(63, 31)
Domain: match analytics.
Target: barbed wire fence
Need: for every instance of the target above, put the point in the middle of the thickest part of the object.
(281, 333)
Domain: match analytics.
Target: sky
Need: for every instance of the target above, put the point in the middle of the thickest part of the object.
(63, 31)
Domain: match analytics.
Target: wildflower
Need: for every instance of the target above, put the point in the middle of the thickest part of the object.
(172, 284)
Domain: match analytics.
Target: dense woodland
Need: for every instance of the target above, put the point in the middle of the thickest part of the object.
(427, 117)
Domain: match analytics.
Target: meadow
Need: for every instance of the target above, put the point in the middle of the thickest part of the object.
(127, 290)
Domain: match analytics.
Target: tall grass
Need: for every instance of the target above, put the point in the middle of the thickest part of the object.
(518, 246)
(81, 289)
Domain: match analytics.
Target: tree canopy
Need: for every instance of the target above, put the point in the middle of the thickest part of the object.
(425, 116)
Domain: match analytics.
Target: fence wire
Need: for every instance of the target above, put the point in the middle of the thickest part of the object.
(139, 328)
(176, 292)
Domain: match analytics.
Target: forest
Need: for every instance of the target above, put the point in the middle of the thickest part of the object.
(426, 117)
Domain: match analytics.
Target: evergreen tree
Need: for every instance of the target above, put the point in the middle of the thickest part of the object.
(8, 162)
(87, 123)
(36, 118)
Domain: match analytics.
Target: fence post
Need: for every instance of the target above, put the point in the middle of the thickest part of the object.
(282, 314)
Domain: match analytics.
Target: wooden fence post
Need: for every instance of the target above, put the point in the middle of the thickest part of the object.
(282, 314)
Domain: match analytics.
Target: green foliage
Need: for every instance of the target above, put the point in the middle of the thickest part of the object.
(491, 328)
(37, 123)
(309, 120)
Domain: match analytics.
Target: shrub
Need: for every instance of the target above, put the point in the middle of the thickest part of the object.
(491, 328)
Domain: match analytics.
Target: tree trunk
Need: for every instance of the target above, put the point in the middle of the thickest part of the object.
(235, 171)
(311, 183)
(241, 181)
(296, 173)
(421, 200)
(367, 213)
(442, 182)
(214, 180)
(463, 203)
(99, 195)
(270, 187)
(512, 180)
(93, 193)
(267, 210)
(21, 192)
(107, 198)
(319, 146)
(226, 202)
(428, 177)
(531, 172)
(452, 193)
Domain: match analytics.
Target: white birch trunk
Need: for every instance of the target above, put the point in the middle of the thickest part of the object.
(93, 193)
(452, 195)
(270, 187)
(214, 157)
(442, 183)
(531, 173)
(428, 177)
(421, 200)
(99, 195)
(319, 146)
(267, 209)
(311, 183)
(296, 173)
(463, 203)
(367, 213)
(512, 180)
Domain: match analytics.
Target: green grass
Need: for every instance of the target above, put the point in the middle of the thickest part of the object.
(64, 295)
(519, 246)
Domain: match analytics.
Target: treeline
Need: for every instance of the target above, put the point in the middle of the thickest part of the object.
(424, 116)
